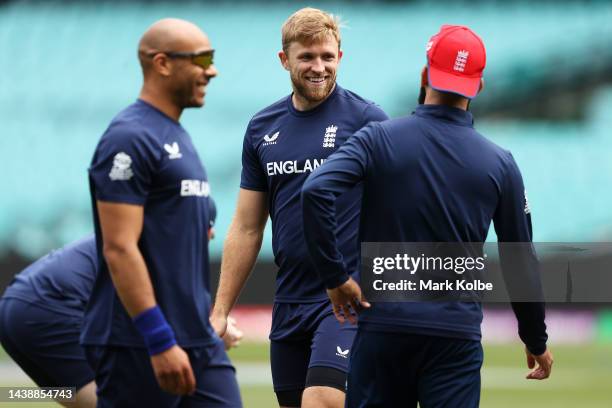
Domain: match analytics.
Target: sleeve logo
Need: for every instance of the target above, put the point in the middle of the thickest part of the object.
(527, 208)
(173, 150)
(122, 167)
(341, 353)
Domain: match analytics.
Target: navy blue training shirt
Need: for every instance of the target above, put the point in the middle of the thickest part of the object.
(61, 281)
(282, 146)
(146, 158)
(429, 177)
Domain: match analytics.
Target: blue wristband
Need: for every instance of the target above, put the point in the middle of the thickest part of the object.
(157, 333)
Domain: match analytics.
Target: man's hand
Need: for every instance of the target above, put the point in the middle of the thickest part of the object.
(346, 297)
(219, 322)
(544, 367)
(173, 371)
(232, 335)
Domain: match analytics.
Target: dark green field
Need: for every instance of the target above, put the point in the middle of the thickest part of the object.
(582, 377)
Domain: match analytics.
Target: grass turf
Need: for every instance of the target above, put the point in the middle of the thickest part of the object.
(582, 377)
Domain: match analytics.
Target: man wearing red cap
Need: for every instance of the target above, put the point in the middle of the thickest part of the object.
(428, 177)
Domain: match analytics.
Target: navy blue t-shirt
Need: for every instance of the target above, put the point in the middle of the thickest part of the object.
(282, 146)
(61, 281)
(146, 158)
(429, 177)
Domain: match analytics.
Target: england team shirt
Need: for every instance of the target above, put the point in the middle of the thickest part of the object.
(61, 281)
(146, 158)
(429, 177)
(282, 146)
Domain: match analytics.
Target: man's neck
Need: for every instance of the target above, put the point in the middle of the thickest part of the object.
(436, 98)
(302, 104)
(161, 102)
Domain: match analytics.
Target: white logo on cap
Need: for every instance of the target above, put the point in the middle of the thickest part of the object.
(461, 60)
(428, 46)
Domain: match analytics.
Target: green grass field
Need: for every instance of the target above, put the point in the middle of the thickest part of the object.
(582, 377)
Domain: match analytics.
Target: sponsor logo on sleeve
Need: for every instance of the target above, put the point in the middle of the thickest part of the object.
(341, 353)
(122, 167)
(173, 151)
(527, 208)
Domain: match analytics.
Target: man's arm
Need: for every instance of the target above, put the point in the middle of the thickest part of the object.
(340, 173)
(240, 251)
(519, 263)
(121, 226)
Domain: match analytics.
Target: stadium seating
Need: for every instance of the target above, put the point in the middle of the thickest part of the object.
(68, 67)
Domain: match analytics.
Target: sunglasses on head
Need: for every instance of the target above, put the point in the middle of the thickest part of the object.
(203, 59)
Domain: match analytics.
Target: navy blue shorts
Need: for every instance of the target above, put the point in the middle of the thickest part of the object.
(44, 343)
(400, 369)
(306, 335)
(125, 378)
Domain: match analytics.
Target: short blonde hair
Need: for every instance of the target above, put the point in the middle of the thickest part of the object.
(308, 26)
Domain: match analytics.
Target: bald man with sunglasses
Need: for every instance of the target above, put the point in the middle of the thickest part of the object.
(147, 332)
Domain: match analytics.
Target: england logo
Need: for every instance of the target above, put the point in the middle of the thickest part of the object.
(329, 140)
(461, 60)
(122, 167)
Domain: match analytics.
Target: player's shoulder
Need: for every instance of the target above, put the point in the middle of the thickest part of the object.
(487, 145)
(268, 116)
(85, 246)
(352, 97)
(368, 106)
(271, 112)
(137, 124)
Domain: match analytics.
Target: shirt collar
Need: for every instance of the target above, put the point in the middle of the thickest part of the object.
(444, 112)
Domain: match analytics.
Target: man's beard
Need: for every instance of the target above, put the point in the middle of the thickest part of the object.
(184, 96)
(310, 94)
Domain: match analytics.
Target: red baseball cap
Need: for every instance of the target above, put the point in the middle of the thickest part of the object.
(456, 58)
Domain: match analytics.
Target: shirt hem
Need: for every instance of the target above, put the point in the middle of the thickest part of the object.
(283, 299)
(135, 344)
(41, 303)
(415, 328)
(120, 199)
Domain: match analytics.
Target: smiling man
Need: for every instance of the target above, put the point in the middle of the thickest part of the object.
(283, 144)
(146, 331)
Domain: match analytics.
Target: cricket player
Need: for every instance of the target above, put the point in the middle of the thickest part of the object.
(147, 331)
(41, 314)
(283, 144)
(428, 177)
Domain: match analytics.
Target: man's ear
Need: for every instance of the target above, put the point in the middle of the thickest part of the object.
(481, 85)
(424, 77)
(162, 64)
(284, 59)
(340, 54)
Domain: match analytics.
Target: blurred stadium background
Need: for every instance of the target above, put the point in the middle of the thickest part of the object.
(69, 66)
